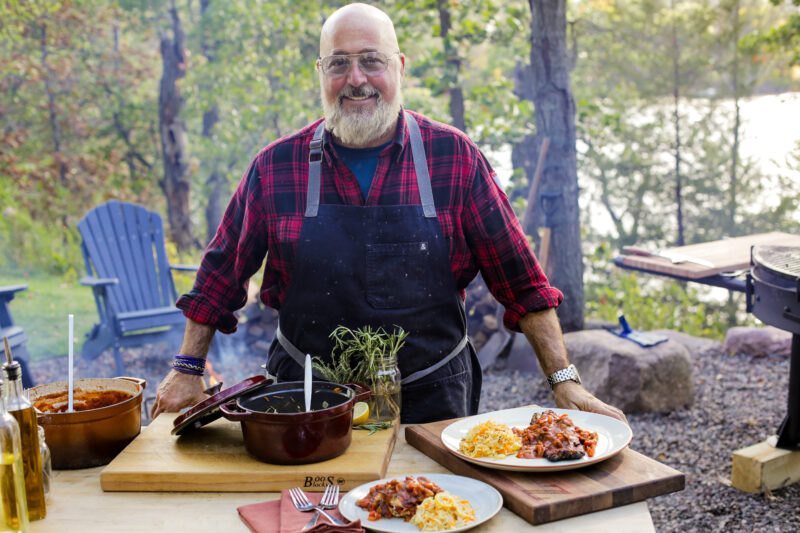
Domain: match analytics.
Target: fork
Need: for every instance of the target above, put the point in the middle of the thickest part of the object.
(329, 501)
(302, 503)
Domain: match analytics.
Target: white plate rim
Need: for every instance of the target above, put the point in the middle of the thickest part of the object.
(613, 434)
(491, 497)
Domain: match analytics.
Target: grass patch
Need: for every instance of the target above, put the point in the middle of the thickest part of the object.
(42, 311)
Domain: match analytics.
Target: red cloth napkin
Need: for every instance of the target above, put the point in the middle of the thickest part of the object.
(281, 516)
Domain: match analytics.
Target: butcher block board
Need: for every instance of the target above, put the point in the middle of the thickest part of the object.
(726, 255)
(626, 478)
(213, 459)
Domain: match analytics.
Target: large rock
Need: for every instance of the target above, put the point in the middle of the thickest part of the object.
(758, 341)
(631, 377)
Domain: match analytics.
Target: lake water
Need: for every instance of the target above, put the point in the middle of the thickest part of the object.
(770, 132)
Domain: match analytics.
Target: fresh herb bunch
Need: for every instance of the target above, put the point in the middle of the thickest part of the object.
(357, 357)
(356, 354)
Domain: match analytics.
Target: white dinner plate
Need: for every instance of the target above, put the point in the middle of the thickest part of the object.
(484, 498)
(613, 436)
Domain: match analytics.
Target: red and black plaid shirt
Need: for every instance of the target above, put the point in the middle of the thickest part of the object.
(266, 213)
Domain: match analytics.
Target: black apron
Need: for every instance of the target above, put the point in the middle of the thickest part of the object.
(380, 266)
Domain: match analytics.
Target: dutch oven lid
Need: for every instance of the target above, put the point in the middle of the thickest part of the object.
(207, 411)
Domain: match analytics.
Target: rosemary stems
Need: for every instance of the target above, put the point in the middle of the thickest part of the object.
(369, 357)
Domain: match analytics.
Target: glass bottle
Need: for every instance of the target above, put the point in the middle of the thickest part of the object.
(384, 401)
(22, 410)
(47, 462)
(13, 504)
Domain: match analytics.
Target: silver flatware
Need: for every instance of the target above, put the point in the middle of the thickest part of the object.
(302, 503)
(330, 500)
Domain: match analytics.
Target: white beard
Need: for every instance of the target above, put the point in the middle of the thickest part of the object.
(360, 127)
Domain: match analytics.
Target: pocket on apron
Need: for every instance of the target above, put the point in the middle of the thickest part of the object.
(396, 273)
(447, 393)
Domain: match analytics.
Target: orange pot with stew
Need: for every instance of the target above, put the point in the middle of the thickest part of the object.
(106, 416)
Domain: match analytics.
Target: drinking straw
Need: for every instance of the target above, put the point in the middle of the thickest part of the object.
(69, 348)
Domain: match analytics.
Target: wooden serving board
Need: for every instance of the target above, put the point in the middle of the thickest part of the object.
(626, 478)
(726, 255)
(214, 459)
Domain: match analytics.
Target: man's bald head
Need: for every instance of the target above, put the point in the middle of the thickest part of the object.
(357, 17)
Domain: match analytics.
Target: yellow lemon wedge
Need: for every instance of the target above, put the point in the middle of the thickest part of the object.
(360, 413)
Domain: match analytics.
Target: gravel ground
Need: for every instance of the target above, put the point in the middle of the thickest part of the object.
(740, 400)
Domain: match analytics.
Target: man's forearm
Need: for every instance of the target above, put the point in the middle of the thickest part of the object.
(543, 332)
(196, 339)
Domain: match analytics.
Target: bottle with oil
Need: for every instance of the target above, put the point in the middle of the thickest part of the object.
(22, 410)
(13, 504)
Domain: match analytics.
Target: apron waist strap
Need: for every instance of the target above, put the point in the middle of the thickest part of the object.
(300, 358)
(294, 352)
(419, 374)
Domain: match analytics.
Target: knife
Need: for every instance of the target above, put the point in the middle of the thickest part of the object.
(674, 257)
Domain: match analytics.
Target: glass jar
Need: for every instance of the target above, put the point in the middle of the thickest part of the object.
(47, 462)
(384, 401)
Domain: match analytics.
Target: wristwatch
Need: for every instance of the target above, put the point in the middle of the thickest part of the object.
(565, 374)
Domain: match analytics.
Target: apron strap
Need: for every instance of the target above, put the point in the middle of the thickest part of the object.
(419, 374)
(315, 172)
(294, 352)
(300, 358)
(420, 169)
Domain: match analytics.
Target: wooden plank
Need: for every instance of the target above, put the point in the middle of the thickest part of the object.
(727, 255)
(543, 497)
(214, 459)
(762, 467)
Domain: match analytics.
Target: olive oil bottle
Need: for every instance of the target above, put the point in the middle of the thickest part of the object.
(22, 410)
(13, 507)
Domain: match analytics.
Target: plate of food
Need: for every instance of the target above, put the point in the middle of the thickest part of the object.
(536, 439)
(421, 502)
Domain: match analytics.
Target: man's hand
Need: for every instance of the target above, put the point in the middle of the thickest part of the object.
(177, 391)
(570, 395)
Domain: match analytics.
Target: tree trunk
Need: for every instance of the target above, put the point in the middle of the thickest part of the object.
(174, 144)
(51, 107)
(555, 118)
(214, 182)
(676, 94)
(737, 122)
(452, 68)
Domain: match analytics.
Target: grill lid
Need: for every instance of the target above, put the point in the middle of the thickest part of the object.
(782, 261)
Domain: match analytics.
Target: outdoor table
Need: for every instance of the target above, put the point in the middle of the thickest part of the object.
(77, 503)
(730, 257)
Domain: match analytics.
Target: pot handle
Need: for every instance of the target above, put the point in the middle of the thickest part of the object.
(139, 381)
(364, 393)
(232, 412)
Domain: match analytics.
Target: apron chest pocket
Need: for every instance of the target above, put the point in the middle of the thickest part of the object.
(396, 274)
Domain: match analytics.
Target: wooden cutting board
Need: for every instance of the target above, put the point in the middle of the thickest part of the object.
(214, 459)
(726, 255)
(627, 477)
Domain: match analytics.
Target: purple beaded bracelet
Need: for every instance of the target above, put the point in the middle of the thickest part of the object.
(189, 365)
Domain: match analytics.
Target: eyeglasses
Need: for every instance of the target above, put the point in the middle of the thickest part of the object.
(370, 63)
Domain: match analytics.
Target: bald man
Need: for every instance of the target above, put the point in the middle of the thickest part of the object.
(373, 216)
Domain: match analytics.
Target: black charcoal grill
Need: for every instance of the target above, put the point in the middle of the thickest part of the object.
(773, 295)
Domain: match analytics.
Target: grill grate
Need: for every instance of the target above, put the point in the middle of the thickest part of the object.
(780, 260)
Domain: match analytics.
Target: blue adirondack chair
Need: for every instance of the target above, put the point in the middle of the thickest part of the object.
(131, 278)
(15, 334)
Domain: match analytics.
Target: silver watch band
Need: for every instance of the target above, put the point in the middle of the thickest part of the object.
(565, 374)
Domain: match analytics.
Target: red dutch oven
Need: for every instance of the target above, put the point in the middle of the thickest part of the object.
(277, 430)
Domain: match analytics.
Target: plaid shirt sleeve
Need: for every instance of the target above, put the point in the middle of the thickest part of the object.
(231, 258)
(501, 249)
